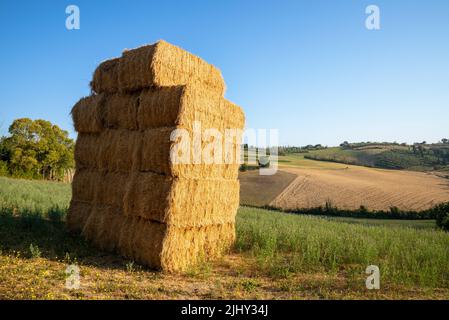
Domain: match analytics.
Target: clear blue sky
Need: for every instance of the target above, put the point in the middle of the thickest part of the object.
(309, 68)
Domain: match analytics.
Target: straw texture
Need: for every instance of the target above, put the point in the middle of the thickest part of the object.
(161, 65)
(178, 106)
(124, 151)
(128, 196)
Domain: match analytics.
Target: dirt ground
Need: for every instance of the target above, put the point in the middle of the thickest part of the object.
(349, 187)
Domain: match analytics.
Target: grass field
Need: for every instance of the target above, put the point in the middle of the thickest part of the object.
(403, 223)
(277, 255)
(33, 196)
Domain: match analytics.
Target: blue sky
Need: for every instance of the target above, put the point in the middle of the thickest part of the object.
(308, 68)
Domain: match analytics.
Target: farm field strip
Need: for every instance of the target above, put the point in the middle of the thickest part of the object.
(349, 188)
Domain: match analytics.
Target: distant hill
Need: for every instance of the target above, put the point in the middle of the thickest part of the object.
(419, 156)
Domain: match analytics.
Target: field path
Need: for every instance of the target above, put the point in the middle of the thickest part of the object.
(349, 187)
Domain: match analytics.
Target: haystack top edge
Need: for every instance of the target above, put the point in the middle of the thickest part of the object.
(158, 64)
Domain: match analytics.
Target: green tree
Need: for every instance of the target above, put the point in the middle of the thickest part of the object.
(37, 149)
(442, 215)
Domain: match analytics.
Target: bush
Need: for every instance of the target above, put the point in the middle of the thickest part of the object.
(442, 216)
(35, 251)
(3, 168)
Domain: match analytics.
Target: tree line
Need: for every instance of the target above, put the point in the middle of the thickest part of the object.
(36, 149)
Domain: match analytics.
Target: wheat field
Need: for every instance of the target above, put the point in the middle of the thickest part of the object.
(349, 187)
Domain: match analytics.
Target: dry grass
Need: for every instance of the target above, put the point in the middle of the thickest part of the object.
(349, 187)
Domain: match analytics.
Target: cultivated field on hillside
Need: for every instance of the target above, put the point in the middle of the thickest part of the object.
(305, 183)
(258, 190)
(387, 156)
(277, 256)
(353, 186)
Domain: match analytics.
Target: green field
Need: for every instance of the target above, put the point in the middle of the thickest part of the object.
(387, 156)
(276, 255)
(417, 224)
(286, 243)
(33, 195)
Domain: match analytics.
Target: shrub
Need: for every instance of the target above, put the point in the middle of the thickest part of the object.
(3, 168)
(442, 216)
(35, 251)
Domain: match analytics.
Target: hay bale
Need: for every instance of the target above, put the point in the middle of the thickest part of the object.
(155, 244)
(85, 154)
(142, 240)
(83, 188)
(160, 198)
(120, 111)
(161, 65)
(177, 106)
(103, 227)
(124, 151)
(77, 215)
(183, 247)
(118, 150)
(87, 114)
(181, 202)
(181, 106)
(159, 159)
(127, 194)
(105, 78)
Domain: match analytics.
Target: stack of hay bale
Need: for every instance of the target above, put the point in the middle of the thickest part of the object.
(128, 195)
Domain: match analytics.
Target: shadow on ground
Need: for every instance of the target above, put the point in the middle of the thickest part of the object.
(51, 240)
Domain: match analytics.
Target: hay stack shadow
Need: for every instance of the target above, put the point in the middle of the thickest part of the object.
(128, 196)
(51, 239)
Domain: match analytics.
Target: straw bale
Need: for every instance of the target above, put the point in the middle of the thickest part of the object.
(110, 187)
(87, 114)
(127, 194)
(184, 247)
(77, 215)
(176, 106)
(142, 240)
(156, 244)
(181, 106)
(105, 79)
(160, 64)
(83, 185)
(103, 227)
(181, 202)
(155, 153)
(118, 149)
(99, 187)
(86, 150)
(113, 150)
(124, 151)
(120, 111)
